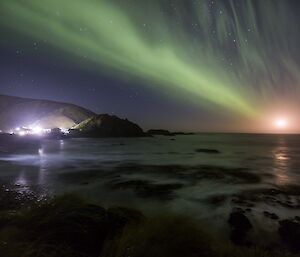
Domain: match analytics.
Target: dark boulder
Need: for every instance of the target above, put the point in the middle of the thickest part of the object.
(209, 151)
(289, 231)
(271, 215)
(69, 223)
(240, 226)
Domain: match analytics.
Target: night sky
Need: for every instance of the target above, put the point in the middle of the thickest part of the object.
(230, 65)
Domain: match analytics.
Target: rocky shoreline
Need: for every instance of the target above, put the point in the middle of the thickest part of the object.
(70, 226)
(242, 227)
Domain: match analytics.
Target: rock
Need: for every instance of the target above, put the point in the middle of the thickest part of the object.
(83, 227)
(159, 132)
(105, 125)
(125, 215)
(164, 132)
(240, 225)
(18, 112)
(289, 231)
(239, 200)
(209, 151)
(183, 133)
(216, 200)
(238, 209)
(147, 189)
(270, 215)
(55, 133)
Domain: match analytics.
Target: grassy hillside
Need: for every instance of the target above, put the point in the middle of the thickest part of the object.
(16, 112)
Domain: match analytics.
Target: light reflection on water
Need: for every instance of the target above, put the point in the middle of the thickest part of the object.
(56, 165)
(281, 162)
(278, 156)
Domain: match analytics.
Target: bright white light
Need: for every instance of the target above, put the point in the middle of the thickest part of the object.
(281, 123)
(37, 130)
(64, 130)
(22, 133)
(17, 129)
(41, 152)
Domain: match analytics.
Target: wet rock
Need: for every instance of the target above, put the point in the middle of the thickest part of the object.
(289, 231)
(240, 200)
(173, 153)
(147, 189)
(245, 176)
(68, 222)
(14, 197)
(240, 225)
(193, 174)
(125, 215)
(289, 204)
(271, 215)
(216, 200)
(238, 209)
(232, 175)
(206, 150)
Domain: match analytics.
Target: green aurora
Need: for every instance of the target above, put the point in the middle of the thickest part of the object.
(230, 55)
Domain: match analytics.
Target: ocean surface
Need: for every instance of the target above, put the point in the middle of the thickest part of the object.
(162, 174)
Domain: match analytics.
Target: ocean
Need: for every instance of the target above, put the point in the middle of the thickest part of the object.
(205, 176)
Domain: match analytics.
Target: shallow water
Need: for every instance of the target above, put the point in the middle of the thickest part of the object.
(162, 174)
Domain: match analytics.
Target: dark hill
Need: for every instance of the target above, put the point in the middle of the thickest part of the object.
(105, 125)
(17, 112)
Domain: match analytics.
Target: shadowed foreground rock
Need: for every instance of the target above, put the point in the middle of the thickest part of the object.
(240, 225)
(69, 227)
(289, 231)
(209, 151)
(65, 226)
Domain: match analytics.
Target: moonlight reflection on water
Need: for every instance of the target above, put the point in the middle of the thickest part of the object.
(140, 172)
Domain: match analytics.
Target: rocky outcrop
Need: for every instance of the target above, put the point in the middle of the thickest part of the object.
(105, 125)
(207, 150)
(164, 132)
(18, 112)
(159, 132)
